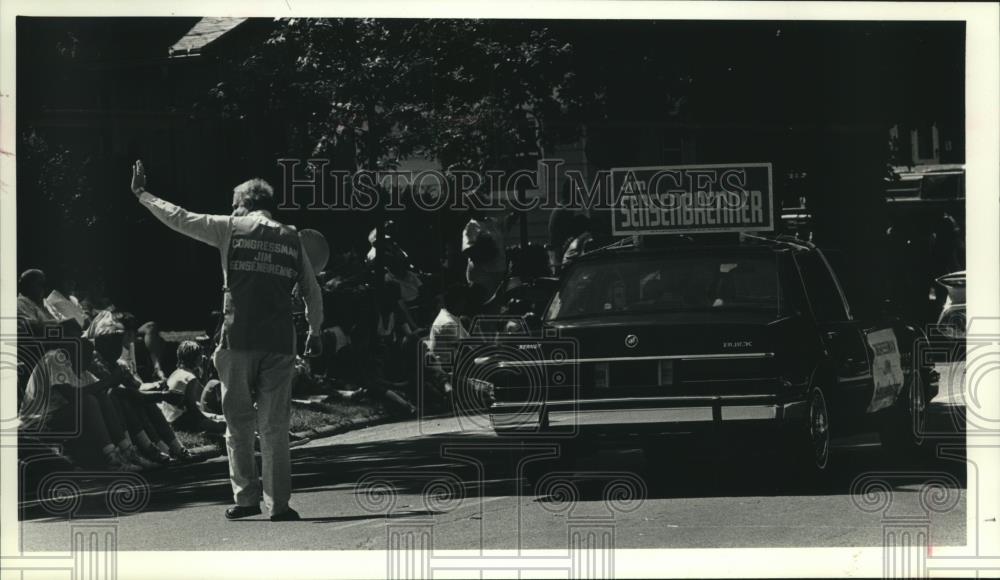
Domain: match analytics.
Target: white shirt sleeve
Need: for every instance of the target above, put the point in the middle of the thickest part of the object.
(207, 228)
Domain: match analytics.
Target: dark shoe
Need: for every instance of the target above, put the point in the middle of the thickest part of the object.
(184, 457)
(239, 511)
(288, 515)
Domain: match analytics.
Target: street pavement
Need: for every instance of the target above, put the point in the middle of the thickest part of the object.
(459, 483)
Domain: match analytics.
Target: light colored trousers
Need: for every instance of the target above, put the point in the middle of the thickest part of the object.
(265, 378)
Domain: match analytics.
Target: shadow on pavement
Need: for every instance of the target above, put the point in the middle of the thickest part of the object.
(439, 469)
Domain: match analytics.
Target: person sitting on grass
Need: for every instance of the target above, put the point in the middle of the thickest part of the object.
(189, 415)
(153, 353)
(62, 302)
(33, 322)
(136, 403)
(32, 313)
(446, 332)
(62, 403)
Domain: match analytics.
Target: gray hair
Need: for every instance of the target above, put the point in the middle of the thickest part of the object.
(253, 194)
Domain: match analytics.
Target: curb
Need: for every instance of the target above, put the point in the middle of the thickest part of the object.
(343, 427)
(211, 451)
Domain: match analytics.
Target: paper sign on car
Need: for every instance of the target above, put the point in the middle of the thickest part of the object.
(692, 199)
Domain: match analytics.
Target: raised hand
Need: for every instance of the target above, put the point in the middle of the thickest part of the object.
(138, 178)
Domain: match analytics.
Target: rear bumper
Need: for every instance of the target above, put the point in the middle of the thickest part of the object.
(653, 413)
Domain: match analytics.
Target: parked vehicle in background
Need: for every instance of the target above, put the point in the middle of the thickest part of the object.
(952, 321)
(920, 195)
(696, 338)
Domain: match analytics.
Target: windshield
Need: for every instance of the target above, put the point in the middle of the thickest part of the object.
(669, 284)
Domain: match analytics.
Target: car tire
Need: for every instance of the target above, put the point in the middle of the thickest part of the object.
(809, 446)
(902, 430)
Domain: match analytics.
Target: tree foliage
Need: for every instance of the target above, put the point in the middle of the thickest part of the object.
(472, 94)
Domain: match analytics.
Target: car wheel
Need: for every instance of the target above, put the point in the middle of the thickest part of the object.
(809, 446)
(819, 430)
(902, 431)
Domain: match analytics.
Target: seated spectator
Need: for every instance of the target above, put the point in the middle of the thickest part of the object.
(136, 402)
(63, 304)
(93, 299)
(34, 320)
(443, 342)
(61, 400)
(31, 310)
(126, 321)
(154, 355)
(189, 415)
(211, 398)
(447, 328)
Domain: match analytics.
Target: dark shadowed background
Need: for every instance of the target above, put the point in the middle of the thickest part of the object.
(208, 103)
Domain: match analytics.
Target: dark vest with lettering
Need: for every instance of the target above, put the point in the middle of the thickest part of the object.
(262, 268)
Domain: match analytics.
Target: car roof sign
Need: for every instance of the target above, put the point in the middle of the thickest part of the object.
(686, 199)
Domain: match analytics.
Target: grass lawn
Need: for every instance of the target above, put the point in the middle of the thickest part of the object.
(306, 418)
(302, 418)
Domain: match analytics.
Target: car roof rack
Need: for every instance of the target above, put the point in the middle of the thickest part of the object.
(636, 242)
(627, 243)
(631, 243)
(780, 239)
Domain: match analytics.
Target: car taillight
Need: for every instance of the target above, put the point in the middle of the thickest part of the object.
(601, 378)
(483, 391)
(666, 372)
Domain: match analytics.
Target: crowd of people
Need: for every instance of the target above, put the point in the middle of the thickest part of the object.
(115, 393)
(97, 382)
(391, 329)
(389, 334)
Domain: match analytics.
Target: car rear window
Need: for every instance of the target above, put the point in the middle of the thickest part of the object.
(668, 284)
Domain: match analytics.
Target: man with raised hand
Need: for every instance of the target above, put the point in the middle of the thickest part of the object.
(262, 261)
